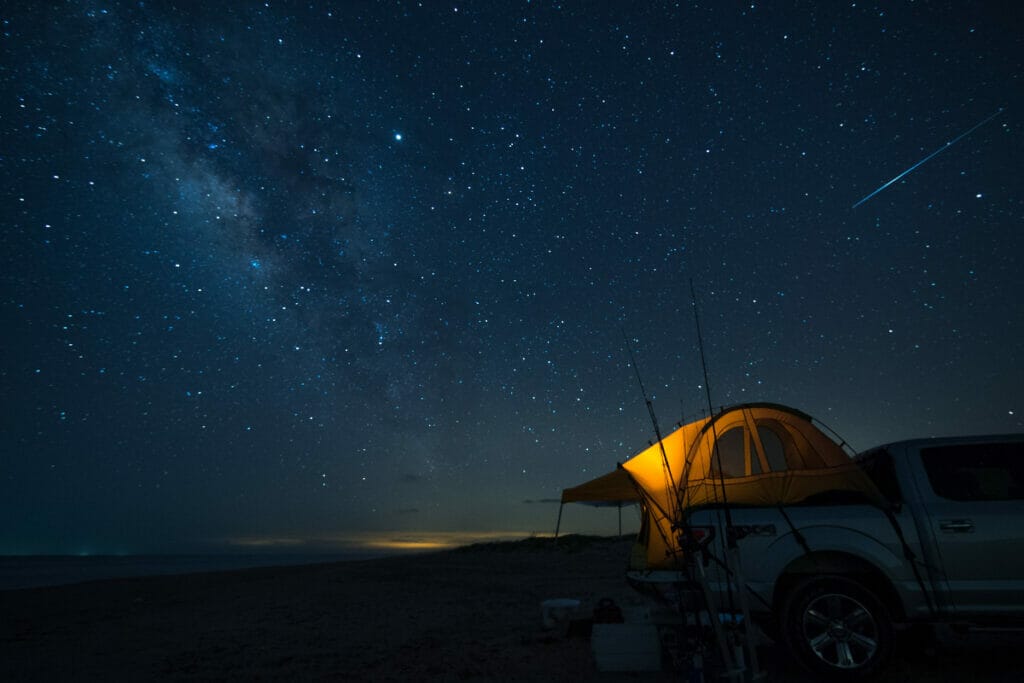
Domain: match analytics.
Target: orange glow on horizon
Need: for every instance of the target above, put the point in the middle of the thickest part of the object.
(410, 545)
(382, 540)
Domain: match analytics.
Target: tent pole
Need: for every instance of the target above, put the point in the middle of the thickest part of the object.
(558, 524)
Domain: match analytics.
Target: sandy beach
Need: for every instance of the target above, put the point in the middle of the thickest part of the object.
(470, 614)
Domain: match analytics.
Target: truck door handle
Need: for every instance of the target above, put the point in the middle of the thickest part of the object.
(957, 525)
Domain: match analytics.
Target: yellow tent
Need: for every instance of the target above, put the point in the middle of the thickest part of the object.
(749, 455)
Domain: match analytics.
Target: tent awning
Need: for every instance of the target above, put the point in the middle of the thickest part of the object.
(614, 488)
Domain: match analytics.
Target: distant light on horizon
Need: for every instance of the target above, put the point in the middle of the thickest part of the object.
(381, 540)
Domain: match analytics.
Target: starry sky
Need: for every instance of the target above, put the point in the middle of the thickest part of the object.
(297, 275)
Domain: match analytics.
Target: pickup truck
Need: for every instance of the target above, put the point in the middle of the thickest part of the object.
(835, 579)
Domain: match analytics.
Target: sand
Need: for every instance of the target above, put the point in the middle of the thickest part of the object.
(470, 614)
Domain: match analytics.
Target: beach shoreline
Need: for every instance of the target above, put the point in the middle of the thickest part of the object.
(472, 613)
(19, 572)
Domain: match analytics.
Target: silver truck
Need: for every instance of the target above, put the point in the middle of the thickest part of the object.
(834, 579)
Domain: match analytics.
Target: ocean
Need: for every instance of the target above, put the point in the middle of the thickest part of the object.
(33, 571)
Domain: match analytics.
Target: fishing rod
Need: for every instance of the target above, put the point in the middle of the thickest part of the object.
(654, 421)
(711, 411)
(716, 451)
(732, 547)
(681, 523)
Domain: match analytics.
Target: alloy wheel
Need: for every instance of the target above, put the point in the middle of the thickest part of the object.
(840, 631)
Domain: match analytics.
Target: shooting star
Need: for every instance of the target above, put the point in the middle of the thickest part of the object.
(932, 155)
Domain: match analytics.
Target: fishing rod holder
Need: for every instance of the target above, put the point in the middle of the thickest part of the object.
(694, 539)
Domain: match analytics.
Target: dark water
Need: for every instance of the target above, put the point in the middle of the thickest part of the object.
(51, 570)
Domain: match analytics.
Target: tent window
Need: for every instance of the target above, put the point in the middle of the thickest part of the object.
(782, 440)
(755, 462)
(730, 455)
(774, 451)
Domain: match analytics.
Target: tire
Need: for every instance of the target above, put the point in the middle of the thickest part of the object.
(837, 627)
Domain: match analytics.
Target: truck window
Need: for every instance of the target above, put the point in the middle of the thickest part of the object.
(879, 467)
(979, 471)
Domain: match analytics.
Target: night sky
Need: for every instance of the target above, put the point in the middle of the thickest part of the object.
(292, 276)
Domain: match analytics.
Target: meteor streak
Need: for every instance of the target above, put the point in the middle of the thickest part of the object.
(930, 156)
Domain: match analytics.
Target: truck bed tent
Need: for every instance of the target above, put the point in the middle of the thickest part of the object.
(748, 455)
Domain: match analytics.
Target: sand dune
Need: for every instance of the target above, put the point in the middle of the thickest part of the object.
(468, 614)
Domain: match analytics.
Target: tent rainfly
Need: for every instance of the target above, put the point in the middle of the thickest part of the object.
(749, 455)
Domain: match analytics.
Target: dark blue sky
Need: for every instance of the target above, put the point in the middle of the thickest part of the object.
(308, 272)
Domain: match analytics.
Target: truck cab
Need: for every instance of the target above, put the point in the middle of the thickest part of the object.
(966, 496)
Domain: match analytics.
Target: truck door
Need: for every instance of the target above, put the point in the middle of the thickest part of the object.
(976, 512)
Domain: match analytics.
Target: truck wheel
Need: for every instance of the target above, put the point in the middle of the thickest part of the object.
(836, 627)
